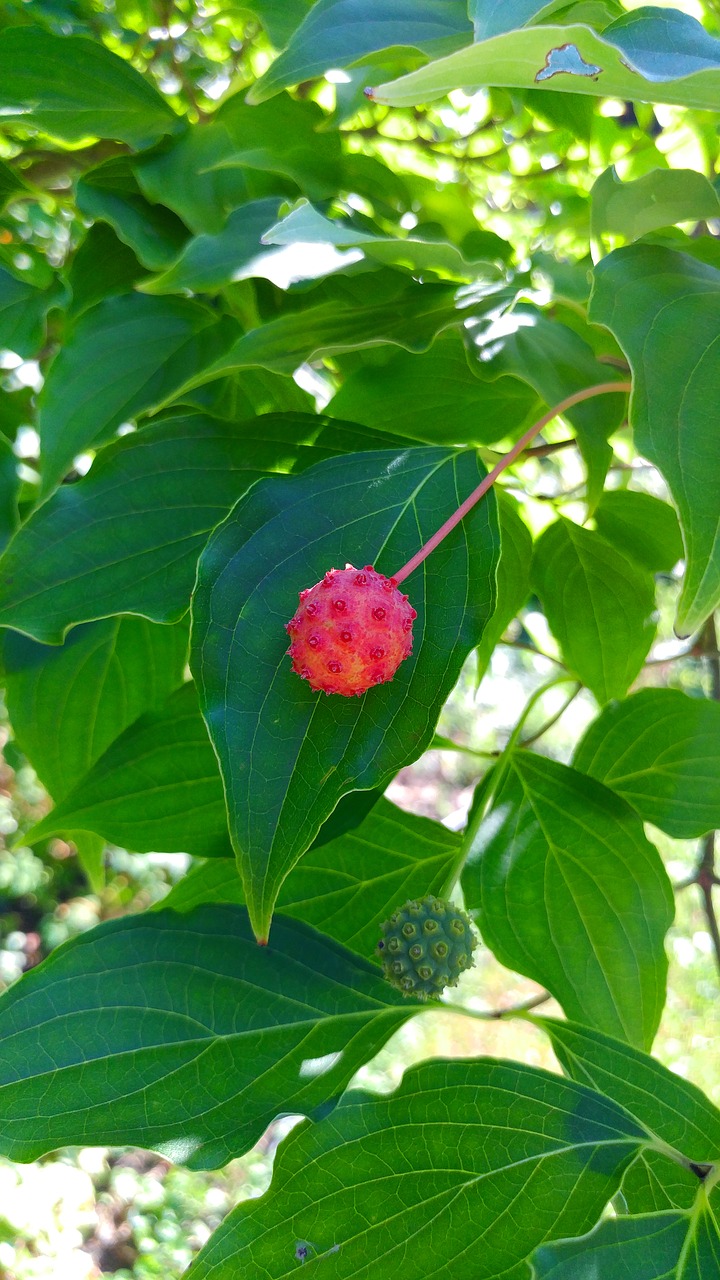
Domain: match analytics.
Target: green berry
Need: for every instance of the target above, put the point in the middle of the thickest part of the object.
(424, 969)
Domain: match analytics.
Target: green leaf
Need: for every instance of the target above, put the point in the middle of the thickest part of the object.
(110, 192)
(101, 266)
(244, 153)
(349, 885)
(513, 578)
(647, 295)
(281, 780)
(642, 527)
(493, 17)
(660, 1246)
(637, 57)
(12, 184)
(556, 362)
(437, 397)
(23, 312)
(68, 703)
(476, 1161)
(155, 789)
(210, 262)
(664, 1102)
(122, 357)
(9, 490)
(410, 319)
(180, 1034)
(279, 17)
(90, 850)
(599, 606)
(73, 88)
(657, 199)
(338, 33)
(63, 565)
(660, 750)
(418, 254)
(568, 890)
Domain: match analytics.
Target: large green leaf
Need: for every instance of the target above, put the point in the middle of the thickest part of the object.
(649, 55)
(436, 396)
(110, 192)
(657, 199)
(670, 1106)
(513, 578)
(492, 17)
(156, 788)
(23, 312)
(647, 295)
(286, 754)
(410, 319)
(122, 357)
(463, 1171)
(642, 527)
(73, 88)
(211, 261)
(243, 153)
(101, 266)
(599, 606)
(658, 1246)
(556, 362)
(568, 890)
(68, 703)
(179, 1033)
(337, 33)
(660, 749)
(349, 885)
(156, 494)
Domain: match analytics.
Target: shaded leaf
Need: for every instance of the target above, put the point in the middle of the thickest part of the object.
(244, 153)
(68, 703)
(657, 199)
(23, 311)
(568, 891)
(124, 356)
(110, 192)
(493, 17)
(637, 57)
(9, 491)
(155, 789)
(179, 1033)
(337, 33)
(432, 1176)
(599, 606)
(647, 295)
(349, 885)
(74, 88)
(513, 578)
(101, 266)
(660, 750)
(436, 396)
(156, 494)
(642, 527)
(281, 781)
(662, 1246)
(410, 320)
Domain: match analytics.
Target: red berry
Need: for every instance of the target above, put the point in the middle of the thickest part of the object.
(335, 658)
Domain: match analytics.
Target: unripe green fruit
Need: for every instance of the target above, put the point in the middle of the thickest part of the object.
(425, 946)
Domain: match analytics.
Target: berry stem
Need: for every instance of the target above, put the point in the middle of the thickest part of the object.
(588, 393)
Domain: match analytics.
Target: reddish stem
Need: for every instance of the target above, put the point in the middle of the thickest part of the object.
(588, 393)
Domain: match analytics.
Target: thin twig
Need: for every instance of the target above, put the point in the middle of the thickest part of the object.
(527, 742)
(496, 1015)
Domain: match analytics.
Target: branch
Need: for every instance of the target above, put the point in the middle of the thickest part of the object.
(588, 393)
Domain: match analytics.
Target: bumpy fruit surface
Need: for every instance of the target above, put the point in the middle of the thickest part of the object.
(351, 631)
(425, 946)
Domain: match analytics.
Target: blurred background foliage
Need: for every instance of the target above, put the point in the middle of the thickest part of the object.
(518, 165)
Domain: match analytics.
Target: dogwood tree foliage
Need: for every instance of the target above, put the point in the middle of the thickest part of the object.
(279, 284)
